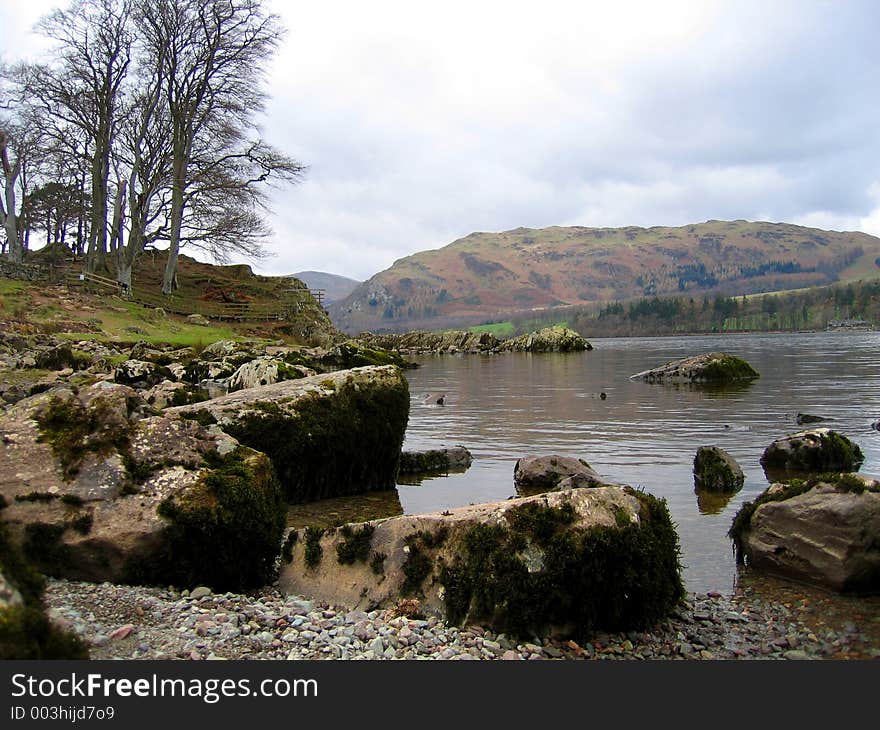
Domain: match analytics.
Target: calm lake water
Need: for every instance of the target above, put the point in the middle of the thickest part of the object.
(503, 407)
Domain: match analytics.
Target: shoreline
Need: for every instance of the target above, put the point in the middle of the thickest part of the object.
(135, 622)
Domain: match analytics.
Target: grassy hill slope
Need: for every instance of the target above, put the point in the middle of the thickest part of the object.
(485, 275)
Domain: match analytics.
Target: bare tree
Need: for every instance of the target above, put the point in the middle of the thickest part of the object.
(8, 205)
(216, 53)
(82, 89)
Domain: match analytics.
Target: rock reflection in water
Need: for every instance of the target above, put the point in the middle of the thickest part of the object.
(712, 503)
(414, 480)
(341, 510)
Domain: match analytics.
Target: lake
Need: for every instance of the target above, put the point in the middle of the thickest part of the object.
(503, 407)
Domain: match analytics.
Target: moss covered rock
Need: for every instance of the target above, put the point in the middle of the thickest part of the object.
(455, 458)
(575, 561)
(536, 474)
(422, 342)
(716, 471)
(825, 530)
(714, 367)
(814, 451)
(327, 435)
(95, 491)
(549, 339)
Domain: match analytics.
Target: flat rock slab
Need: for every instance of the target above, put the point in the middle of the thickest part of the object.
(715, 367)
(454, 458)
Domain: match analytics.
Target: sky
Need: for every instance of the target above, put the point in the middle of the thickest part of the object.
(422, 122)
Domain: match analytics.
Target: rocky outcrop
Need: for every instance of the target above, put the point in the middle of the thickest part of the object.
(716, 471)
(423, 342)
(813, 451)
(536, 474)
(714, 367)
(516, 566)
(824, 531)
(549, 339)
(455, 458)
(98, 489)
(327, 435)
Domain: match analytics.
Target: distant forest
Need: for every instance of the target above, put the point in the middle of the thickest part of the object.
(808, 309)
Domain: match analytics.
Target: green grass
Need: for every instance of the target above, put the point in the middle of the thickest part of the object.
(498, 329)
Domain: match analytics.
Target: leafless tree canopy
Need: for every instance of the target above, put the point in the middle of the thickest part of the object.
(141, 127)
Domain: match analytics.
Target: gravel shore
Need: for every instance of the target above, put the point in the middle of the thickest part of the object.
(127, 622)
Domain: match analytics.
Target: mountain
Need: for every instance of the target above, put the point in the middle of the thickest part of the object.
(335, 287)
(489, 275)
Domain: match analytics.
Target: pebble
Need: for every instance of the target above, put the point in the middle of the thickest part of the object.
(266, 624)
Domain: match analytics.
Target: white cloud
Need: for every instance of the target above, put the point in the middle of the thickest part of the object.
(423, 122)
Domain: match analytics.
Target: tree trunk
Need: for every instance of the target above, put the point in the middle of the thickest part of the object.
(169, 280)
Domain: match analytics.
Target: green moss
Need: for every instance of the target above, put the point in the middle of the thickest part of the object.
(72, 500)
(728, 367)
(203, 417)
(417, 566)
(287, 548)
(330, 446)
(82, 523)
(138, 471)
(72, 430)
(313, 550)
(356, 544)
(610, 578)
(223, 532)
(835, 453)
(42, 545)
(188, 395)
(36, 497)
(25, 630)
(377, 563)
(713, 473)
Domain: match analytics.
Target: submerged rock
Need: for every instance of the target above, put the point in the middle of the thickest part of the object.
(824, 531)
(717, 471)
(515, 565)
(327, 435)
(712, 367)
(455, 458)
(812, 451)
(803, 418)
(549, 339)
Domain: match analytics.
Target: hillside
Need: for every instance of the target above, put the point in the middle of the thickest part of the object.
(93, 313)
(491, 275)
(335, 287)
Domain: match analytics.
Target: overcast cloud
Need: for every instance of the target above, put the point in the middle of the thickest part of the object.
(423, 122)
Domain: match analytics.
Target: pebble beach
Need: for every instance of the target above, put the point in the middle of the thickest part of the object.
(129, 622)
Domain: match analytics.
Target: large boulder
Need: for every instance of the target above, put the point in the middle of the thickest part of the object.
(264, 371)
(549, 339)
(713, 367)
(824, 531)
(454, 458)
(578, 560)
(327, 435)
(535, 474)
(99, 490)
(716, 471)
(813, 451)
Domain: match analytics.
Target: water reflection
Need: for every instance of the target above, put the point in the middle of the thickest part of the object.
(507, 406)
(340, 510)
(712, 503)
